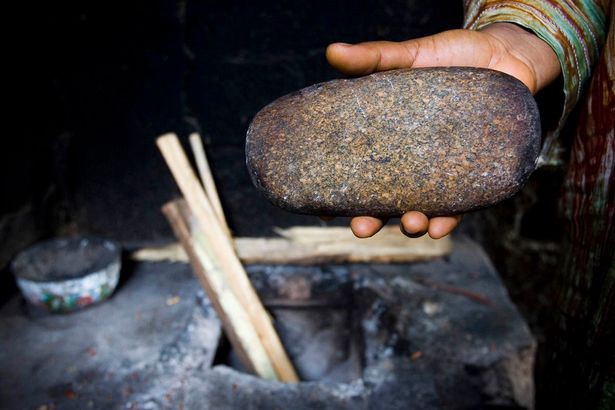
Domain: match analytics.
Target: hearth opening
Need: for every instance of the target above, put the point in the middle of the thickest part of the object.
(324, 344)
(316, 319)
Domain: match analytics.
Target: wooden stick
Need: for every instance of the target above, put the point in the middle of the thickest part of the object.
(237, 278)
(313, 245)
(206, 177)
(234, 318)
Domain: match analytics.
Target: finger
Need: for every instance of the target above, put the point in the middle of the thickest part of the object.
(366, 226)
(414, 223)
(441, 226)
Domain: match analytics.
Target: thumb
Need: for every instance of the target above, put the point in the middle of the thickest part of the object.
(366, 58)
(448, 48)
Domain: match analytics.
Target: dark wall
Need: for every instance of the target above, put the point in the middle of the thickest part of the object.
(96, 82)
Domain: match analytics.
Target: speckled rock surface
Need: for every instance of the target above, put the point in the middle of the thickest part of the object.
(436, 140)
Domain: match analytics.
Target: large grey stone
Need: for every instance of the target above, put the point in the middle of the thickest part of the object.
(437, 140)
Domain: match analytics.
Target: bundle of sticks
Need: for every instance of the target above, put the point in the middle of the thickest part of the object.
(199, 224)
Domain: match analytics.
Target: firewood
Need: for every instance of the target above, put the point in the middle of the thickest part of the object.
(222, 247)
(310, 245)
(235, 320)
(206, 177)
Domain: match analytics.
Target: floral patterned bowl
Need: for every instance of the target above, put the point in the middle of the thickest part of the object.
(66, 274)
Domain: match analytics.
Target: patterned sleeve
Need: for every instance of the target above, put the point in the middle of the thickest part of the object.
(575, 29)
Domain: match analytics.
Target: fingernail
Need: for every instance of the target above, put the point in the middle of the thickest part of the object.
(410, 234)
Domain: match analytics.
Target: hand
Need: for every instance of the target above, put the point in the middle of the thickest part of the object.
(502, 46)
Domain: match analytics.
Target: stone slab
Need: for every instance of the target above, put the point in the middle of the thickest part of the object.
(434, 335)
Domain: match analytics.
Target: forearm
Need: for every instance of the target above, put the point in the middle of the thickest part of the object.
(574, 30)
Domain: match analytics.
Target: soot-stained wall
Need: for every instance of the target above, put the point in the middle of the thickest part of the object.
(96, 82)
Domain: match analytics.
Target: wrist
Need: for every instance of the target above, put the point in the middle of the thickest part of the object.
(527, 47)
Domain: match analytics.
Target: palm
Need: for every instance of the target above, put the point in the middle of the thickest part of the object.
(502, 47)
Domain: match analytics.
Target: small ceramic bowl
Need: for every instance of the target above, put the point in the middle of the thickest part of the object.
(66, 274)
